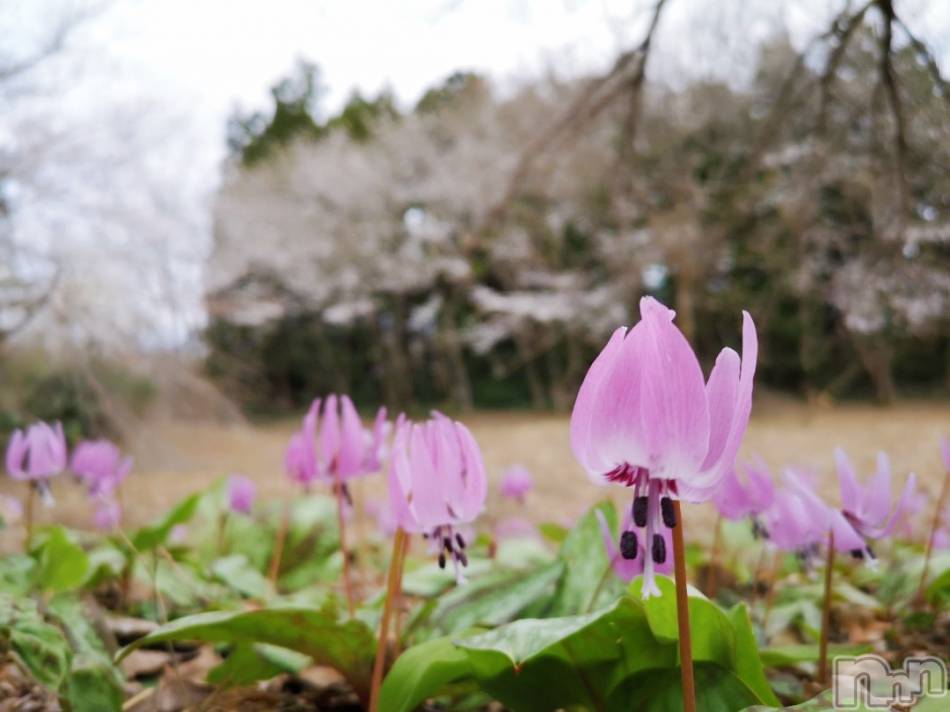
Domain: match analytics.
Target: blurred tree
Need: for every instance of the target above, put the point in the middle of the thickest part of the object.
(486, 246)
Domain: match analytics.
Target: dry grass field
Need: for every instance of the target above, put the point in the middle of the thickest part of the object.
(175, 458)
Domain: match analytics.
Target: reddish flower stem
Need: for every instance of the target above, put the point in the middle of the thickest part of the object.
(826, 612)
(397, 606)
(682, 613)
(347, 581)
(393, 588)
(935, 524)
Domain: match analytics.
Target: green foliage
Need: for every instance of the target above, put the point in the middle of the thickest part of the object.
(62, 650)
(618, 658)
(154, 535)
(348, 647)
(62, 565)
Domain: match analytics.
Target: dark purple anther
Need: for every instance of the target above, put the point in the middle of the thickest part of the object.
(640, 511)
(669, 514)
(629, 545)
(659, 549)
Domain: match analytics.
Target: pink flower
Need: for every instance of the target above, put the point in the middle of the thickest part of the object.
(241, 493)
(867, 511)
(100, 465)
(735, 500)
(945, 453)
(333, 444)
(797, 520)
(628, 561)
(516, 483)
(108, 515)
(437, 482)
(38, 454)
(644, 418)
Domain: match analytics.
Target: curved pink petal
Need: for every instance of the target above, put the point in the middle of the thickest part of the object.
(471, 500)
(876, 499)
(16, 453)
(904, 505)
(848, 482)
(587, 437)
(700, 486)
(400, 479)
(722, 394)
(428, 495)
(329, 436)
(673, 406)
(352, 447)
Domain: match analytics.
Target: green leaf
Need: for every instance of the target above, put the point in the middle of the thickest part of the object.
(62, 564)
(585, 563)
(938, 592)
(348, 646)
(249, 662)
(91, 685)
(749, 666)
(156, 534)
(587, 661)
(41, 647)
(553, 532)
(494, 599)
(420, 672)
(236, 572)
(787, 655)
(16, 573)
(717, 690)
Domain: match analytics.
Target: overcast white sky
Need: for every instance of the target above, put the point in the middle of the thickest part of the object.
(181, 66)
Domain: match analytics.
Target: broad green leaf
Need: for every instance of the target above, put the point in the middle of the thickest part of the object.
(585, 563)
(494, 599)
(236, 572)
(785, 655)
(429, 580)
(346, 646)
(106, 563)
(156, 534)
(554, 532)
(717, 690)
(938, 592)
(41, 647)
(93, 682)
(420, 672)
(748, 663)
(587, 661)
(248, 662)
(91, 685)
(62, 564)
(16, 573)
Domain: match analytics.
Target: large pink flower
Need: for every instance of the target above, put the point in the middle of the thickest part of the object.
(332, 443)
(100, 466)
(645, 418)
(37, 454)
(437, 482)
